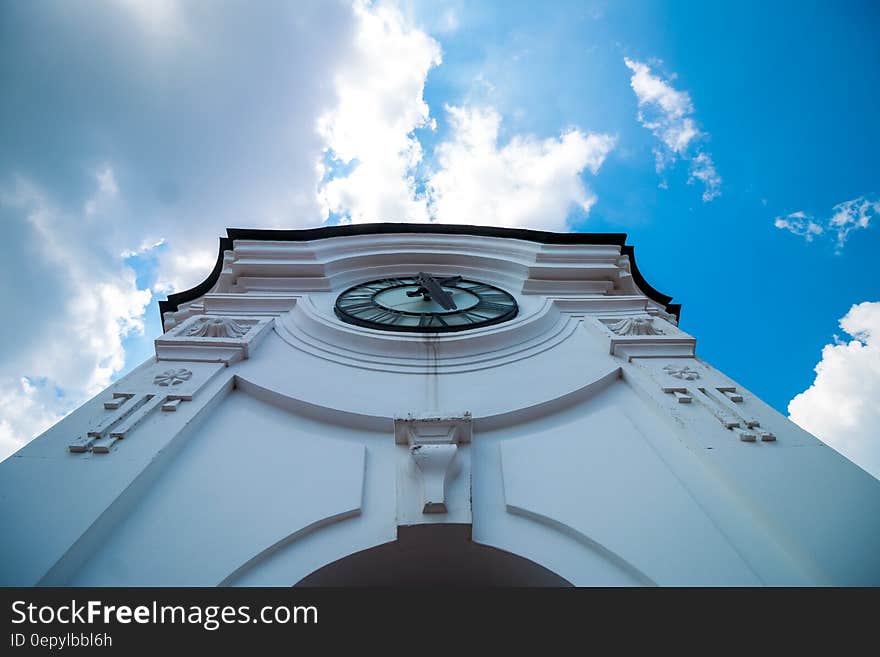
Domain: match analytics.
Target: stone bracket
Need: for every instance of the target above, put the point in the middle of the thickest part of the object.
(433, 462)
(433, 428)
(433, 441)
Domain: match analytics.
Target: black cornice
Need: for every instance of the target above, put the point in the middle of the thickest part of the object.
(308, 234)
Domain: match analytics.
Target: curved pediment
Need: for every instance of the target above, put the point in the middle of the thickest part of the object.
(275, 263)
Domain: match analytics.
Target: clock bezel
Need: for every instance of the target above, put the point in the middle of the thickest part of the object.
(354, 320)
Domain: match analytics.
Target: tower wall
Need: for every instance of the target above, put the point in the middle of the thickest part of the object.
(267, 439)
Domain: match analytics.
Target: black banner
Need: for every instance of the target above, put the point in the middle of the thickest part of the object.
(124, 620)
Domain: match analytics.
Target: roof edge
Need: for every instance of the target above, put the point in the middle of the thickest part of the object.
(173, 301)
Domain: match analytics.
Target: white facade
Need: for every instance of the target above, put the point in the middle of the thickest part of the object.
(269, 440)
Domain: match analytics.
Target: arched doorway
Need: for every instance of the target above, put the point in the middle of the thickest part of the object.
(436, 556)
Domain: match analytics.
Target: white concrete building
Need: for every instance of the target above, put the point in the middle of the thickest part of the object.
(399, 404)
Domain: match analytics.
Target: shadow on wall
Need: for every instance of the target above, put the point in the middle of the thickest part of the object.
(436, 556)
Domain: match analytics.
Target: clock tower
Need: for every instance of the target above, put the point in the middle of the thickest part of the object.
(396, 404)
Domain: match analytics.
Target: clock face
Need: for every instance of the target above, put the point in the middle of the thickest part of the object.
(425, 303)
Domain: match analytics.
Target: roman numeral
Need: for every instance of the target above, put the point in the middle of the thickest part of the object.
(496, 298)
(426, 321)
(382, 316)
(352, 307)
(395, 282)
(492, 307)
(479, 287)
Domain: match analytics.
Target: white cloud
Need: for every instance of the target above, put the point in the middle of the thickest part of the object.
(180, 267)
(79, 303)
(371, 127)
(842, 406)
(852, 215)
(191, 120)
(703, 169)
(25, 410)
(846, 217)
(370, 134)
(527, 182)
(448, 22)
(799, 223)
(667, 113)
(107, 191)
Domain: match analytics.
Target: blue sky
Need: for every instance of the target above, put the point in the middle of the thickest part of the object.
(735, 143)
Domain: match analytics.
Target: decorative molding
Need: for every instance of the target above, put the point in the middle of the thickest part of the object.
(134, 409)
(172, 377)
(641, 333)
(213, 339)
(724, 405)
(685, 373)
(722, 402)
(597, 382)
(539, 327)
(283, 265)
(682, 395)
(137, 398)
(217, 327)
(423, 428)
(700, 386)
(633, 326)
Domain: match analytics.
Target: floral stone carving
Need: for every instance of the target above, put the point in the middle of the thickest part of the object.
(172, 377)
(217, 327)
(685, 373)
(635, 326)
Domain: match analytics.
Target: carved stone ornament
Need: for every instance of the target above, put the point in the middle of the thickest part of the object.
(433, 440)
(685, 372)
(635, 326)
(172, 377)
(213, 339)
(136, 399)
(217, 327)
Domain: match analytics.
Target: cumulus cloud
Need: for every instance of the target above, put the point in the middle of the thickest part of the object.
(143, 129)
(76, 301)
(26, 409)
(845, 217)
(370, 130)
(527, 182)
(842, 406)
(376, 169)
(668, 114)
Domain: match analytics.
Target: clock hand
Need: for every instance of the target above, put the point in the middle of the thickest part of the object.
(449, 280)
(431, 289)
(419, 304)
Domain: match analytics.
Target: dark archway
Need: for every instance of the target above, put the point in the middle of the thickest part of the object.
(435, 556)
